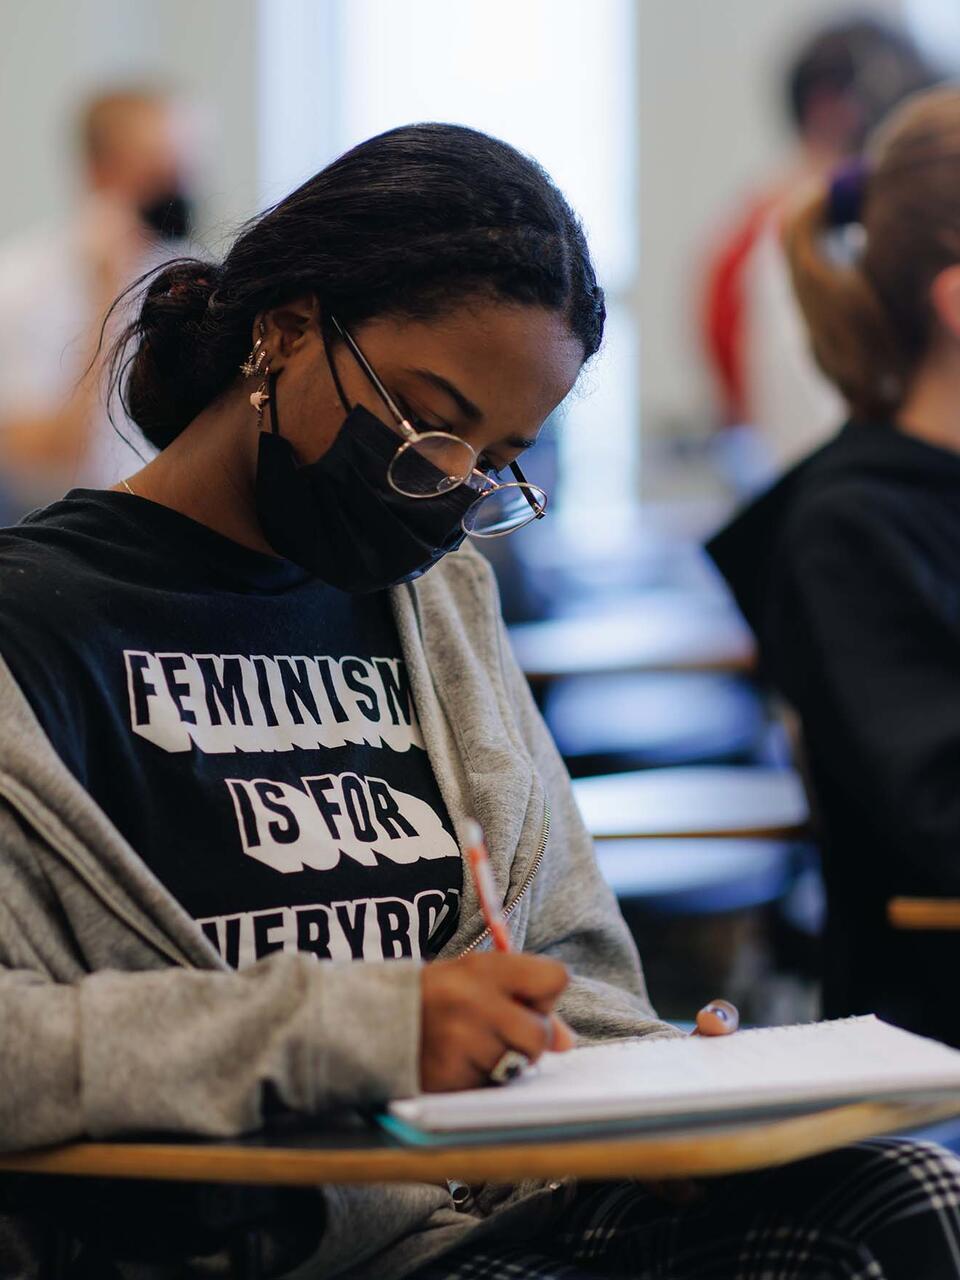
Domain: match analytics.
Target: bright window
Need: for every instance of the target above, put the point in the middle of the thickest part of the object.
(936, 25)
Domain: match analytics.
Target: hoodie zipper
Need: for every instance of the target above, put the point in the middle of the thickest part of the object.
(521, 893)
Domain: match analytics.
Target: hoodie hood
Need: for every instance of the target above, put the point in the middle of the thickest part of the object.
(873, 454)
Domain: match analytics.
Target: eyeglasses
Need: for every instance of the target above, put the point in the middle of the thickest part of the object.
(430, 463)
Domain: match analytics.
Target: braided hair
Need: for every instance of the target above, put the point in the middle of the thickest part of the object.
(409, 223)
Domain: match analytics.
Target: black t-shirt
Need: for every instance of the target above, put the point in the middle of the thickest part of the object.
(249, 729)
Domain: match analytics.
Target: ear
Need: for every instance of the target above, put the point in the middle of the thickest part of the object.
(945, 299)
(288, 328)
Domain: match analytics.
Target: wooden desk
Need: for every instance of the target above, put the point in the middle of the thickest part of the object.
(711, 802)
(669, 633)
(305, 1158)
(924, 913)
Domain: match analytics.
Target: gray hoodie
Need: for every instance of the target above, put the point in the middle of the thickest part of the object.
(118, 1016)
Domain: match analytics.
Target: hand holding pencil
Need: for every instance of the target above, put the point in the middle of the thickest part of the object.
(486, 1015)
(489, 1008)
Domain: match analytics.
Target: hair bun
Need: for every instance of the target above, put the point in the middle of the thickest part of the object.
(179, 292)
(169, 334)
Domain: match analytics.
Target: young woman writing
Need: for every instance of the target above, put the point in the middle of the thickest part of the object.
(251, 700)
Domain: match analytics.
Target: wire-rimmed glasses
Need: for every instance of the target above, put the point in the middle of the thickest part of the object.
(430, 463)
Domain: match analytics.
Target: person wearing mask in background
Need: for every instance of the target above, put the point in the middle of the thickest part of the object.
(230, 876)
(841, 84)
(849, 569)
(59, 283)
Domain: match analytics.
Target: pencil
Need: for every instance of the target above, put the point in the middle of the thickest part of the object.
(479, 860)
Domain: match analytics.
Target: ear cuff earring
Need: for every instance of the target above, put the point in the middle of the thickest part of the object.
(254, 362)
(257, 365)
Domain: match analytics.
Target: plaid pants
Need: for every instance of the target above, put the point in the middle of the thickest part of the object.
(887, 1209)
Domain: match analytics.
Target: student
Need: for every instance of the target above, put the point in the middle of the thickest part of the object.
(846, 76)
(250, 698)
(849, 570)
(135, 161)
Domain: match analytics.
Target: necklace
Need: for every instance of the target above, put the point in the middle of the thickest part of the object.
(128, 489)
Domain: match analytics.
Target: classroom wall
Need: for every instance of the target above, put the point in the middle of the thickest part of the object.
(53, 51)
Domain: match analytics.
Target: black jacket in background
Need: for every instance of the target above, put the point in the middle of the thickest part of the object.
(848, 571)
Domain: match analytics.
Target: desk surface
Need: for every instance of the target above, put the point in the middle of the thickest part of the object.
(363, 1154)
(673, 633)
(709, 801)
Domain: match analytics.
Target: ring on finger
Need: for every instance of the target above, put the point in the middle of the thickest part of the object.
(508, 1066)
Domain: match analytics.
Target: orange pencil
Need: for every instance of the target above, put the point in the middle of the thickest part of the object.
(479, 860)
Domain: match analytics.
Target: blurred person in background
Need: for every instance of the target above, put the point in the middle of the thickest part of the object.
(849, 569)
(840, 85)
(57, 283)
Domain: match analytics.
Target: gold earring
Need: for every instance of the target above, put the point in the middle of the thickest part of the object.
(251, 366)
(260, 397)
(254, 362)
(257, 365)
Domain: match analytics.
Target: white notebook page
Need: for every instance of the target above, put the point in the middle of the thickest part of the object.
(850, 1058)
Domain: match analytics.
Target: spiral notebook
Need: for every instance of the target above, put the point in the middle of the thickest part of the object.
(852, 1059)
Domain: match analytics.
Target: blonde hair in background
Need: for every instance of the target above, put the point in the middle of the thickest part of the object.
(870, 320)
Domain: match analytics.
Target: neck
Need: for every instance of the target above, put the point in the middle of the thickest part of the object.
(207, 473)
(931, 410)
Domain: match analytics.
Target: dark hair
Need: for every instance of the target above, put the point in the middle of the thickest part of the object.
(870, 319)
(874, 61)
(408, 223)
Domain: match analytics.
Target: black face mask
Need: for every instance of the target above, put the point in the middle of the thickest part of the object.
(170, 216)
(338, 516)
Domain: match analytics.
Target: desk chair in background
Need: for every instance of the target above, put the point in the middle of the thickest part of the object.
(714, 874)
(608, 723)
(648, 687)
(706, 912)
